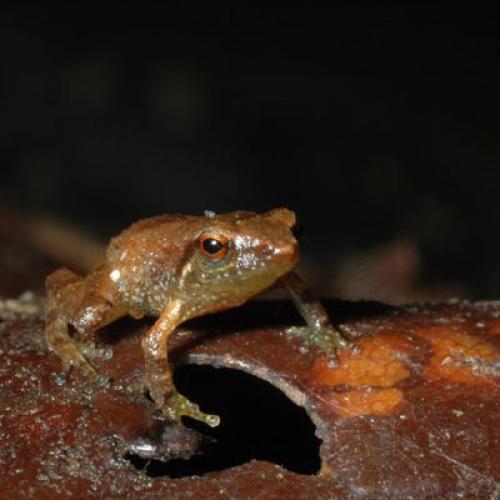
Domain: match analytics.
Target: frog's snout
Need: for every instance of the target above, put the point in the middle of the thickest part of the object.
(289, 250)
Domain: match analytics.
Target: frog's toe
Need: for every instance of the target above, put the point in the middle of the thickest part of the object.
(81, 363)
(72, 356)
(178, 406)
(91, 351)
(78, 360)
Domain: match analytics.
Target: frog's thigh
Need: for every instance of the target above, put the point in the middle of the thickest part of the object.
(64, 288)
(69, 302)
(59, 341)
(154, 344)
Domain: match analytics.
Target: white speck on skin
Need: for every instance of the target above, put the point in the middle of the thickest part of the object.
(114, 275)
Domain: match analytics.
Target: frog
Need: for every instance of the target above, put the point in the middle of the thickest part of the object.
(176, 267)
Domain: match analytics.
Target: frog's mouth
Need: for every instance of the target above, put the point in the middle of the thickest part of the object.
(288, 256)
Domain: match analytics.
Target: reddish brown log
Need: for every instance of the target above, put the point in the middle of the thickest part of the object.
(413, 413)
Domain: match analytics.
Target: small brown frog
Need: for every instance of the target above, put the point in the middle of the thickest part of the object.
(177, 267)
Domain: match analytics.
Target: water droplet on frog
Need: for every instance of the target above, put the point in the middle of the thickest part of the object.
(105, 353)
(58, 378)
(103, 381)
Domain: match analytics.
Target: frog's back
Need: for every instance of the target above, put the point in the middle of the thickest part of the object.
(156, 227)
(161, 226)
(167, 230)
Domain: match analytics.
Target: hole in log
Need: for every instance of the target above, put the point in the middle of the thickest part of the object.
(258, 421)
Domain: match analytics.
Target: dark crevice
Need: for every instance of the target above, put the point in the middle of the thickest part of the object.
(258, 421)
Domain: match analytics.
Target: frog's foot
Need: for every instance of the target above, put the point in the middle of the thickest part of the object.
(74, 354)
(325, 337)
(178, 405)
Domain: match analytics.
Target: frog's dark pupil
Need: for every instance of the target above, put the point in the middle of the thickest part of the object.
(212, 246)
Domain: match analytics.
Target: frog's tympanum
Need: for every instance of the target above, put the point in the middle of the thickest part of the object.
(177, 267)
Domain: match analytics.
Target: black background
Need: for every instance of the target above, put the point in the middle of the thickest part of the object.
(373, 124)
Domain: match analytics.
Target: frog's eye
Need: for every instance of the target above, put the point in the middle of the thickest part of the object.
(214, 247)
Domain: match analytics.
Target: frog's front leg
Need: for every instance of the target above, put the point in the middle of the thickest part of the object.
(158, 373)
(319, 330)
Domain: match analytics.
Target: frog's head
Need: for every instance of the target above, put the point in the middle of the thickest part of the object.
(237, 255)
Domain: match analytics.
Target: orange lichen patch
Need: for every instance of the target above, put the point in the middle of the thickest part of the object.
(359, 402)
(376, 363)
(462, 358)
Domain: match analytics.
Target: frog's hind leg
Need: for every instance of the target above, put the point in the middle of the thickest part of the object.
(64, 291)
(70, 353)
(70, 303)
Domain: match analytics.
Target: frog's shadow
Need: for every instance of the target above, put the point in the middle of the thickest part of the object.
(264, 315)
(267, 314)
(254, 315)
